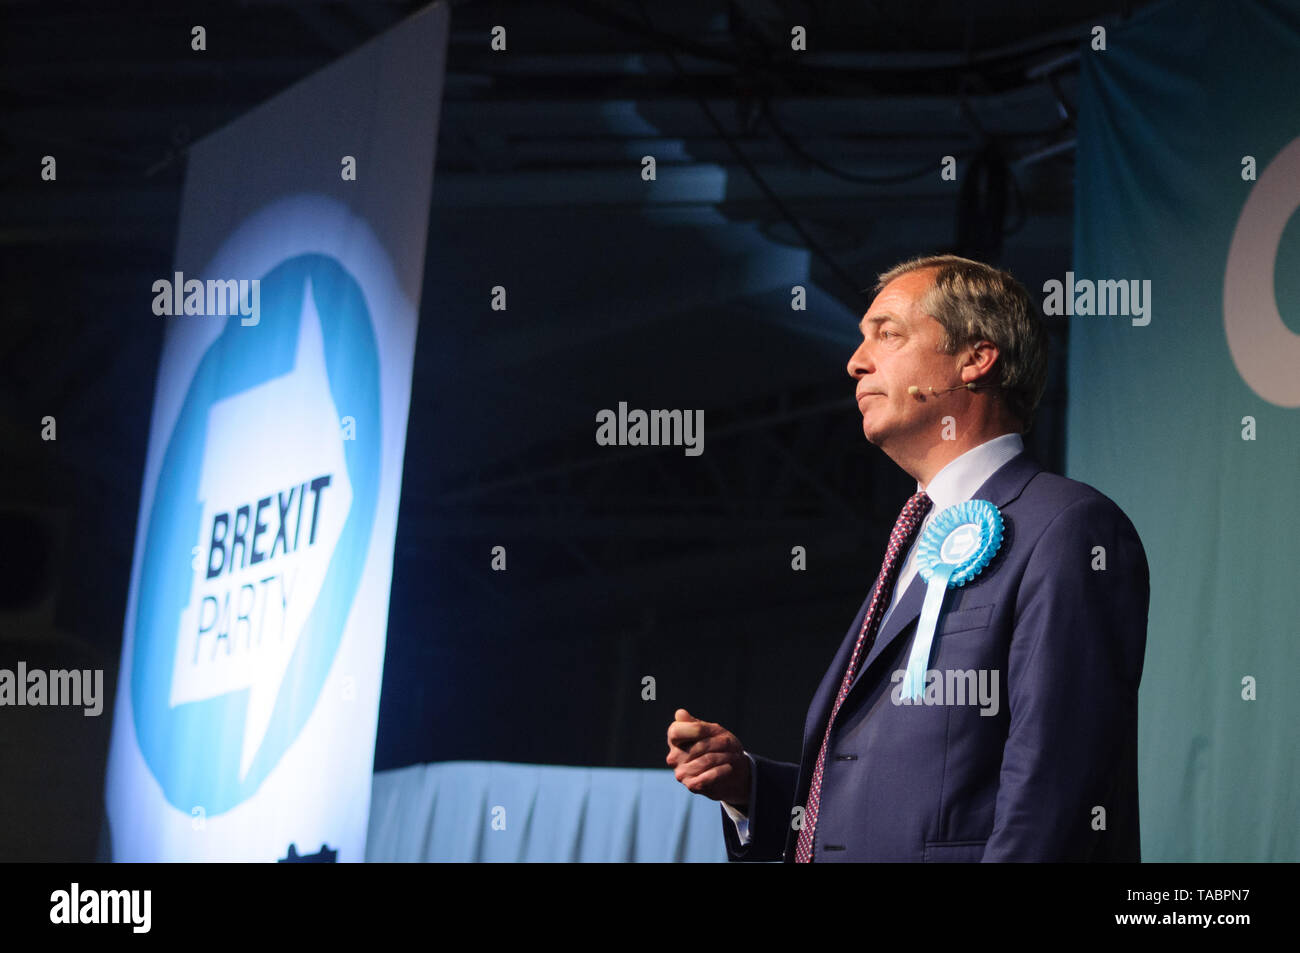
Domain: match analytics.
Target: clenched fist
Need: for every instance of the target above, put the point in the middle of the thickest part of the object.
(708, 759)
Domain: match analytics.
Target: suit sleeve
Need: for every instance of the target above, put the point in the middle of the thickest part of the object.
(771, 801)
(1071, 684)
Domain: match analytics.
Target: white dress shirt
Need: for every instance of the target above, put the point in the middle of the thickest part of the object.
(955, 483)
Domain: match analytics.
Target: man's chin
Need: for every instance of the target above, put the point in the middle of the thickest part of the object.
(873, 435)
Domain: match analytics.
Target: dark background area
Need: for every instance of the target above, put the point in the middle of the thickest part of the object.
(774, 169)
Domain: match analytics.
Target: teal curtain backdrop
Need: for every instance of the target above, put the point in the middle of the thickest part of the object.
(1168, 112)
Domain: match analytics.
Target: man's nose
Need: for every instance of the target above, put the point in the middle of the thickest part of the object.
(859, 362)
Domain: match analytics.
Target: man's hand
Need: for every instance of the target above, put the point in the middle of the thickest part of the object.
(708, 760)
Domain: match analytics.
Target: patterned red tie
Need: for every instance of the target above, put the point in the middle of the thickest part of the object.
(899, 542)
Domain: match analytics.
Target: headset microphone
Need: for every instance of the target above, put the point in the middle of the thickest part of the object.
(914, 390)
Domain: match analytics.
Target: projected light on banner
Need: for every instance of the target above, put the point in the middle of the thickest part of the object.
(232, 649)
(252, 659)
(262, 518)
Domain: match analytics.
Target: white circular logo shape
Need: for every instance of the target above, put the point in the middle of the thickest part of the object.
(959, 544)
(1264, 349)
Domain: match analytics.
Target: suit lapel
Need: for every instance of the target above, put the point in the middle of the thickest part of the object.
(905, 611)
(824, 697)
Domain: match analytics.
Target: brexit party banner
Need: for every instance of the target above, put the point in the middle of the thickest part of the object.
(253, 651)
(1186, 408)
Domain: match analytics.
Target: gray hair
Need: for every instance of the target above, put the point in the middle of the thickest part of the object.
(973, 301)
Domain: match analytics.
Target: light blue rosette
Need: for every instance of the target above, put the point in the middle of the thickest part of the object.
(959, 542)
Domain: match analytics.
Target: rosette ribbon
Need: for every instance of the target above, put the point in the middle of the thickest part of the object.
(959, 542)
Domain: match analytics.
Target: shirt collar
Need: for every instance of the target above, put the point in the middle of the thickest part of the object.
(958, 481)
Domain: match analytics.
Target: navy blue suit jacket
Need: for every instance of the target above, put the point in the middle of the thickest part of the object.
(1052, 776)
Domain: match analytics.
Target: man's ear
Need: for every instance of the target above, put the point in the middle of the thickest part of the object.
(978, 363)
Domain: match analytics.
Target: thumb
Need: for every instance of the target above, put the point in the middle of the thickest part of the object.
(684, 715)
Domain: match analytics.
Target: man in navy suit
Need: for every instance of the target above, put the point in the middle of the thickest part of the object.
(1026, 749)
